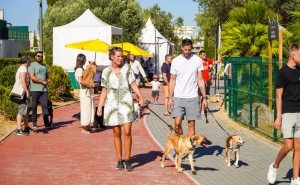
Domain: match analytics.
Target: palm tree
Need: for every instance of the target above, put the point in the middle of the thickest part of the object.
(246, 31)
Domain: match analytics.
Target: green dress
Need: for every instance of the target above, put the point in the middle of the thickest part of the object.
(119, 107)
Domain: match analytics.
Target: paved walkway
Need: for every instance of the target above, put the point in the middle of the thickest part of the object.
(65, 156)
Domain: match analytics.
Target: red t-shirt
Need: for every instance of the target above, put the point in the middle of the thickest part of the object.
(205, 72)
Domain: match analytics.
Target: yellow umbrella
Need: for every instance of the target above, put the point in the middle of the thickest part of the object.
(90, 45)
(133, 49)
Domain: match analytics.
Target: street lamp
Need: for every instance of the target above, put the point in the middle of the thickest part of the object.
(41, 26)
(158, 72)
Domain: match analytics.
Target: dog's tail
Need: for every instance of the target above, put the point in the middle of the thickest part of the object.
(171, 129)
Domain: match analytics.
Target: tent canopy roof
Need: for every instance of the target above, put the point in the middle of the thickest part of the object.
(148, 35)
(88, 19)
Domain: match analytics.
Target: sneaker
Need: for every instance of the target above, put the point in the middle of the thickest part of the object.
(30, 130)
(272, 174)
(85, 132)
(120, 165)
(128, 165)
(34, 125)
(21, 133)
(156, 103)
(295, 181)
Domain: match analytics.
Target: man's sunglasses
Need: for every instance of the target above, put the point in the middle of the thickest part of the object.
(40, 56)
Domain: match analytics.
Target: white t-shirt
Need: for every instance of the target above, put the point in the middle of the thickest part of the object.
(22, 69)
(186, 71)
(155, 85)
(137, 68)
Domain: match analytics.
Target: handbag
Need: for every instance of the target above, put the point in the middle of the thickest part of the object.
(17, 94)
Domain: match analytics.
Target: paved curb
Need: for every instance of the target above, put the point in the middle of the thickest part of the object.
(162, 148)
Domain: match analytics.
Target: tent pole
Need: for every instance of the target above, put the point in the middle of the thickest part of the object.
(95, 57)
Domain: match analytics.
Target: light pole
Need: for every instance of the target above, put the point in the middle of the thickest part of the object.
(41, 26)
(155, 47)
(158, 68)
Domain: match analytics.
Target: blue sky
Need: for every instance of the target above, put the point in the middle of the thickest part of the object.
(26, 12)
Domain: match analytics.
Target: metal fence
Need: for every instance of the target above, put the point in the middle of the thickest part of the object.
(248, 99)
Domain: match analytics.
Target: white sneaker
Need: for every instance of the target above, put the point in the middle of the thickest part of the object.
(295, 181)
(272, 174)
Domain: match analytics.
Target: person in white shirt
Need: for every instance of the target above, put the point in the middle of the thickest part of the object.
(137, 69)
(186, 77)
(155, 89)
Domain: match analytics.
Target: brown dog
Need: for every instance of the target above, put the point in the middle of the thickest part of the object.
(183, 145)
(88, 75)
(233, 144)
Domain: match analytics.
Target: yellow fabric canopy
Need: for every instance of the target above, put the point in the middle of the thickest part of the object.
(133, 49)
(90, 45)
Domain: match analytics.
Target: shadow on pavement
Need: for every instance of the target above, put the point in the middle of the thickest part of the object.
(201, 151)
(142, 159)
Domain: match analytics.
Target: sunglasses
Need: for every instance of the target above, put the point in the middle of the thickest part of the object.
(40, 56)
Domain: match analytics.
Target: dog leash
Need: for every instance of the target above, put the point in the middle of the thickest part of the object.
(146, 106)
(205, 113)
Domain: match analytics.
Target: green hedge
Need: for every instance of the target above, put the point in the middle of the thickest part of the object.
(8, 61)
(6, 105)
(7, 75)
(29, 53)
(60, 86)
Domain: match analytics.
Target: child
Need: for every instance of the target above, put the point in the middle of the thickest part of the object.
(155, 89)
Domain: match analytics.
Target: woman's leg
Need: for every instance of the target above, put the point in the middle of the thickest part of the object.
(117, 141)
(127, 139)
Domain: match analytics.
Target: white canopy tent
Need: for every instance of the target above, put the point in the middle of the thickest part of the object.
(150, 38)
(85, 27)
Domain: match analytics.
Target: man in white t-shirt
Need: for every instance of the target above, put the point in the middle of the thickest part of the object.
(137, 69)
(186, 77)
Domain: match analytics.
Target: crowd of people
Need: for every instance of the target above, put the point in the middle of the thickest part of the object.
(185, 84)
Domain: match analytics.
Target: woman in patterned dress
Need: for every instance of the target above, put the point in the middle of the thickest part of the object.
(116, 82)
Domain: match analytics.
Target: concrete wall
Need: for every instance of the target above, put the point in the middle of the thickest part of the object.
(11, 48)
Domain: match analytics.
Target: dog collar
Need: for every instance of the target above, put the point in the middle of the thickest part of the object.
(192, 143)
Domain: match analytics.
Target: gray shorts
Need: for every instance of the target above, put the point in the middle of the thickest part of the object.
(22, 109)
(290, 125)
(186, 106)
(155, 93)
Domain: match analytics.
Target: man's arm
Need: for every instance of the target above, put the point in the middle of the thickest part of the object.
(23, 83)
(278, 121)
(37, 80)
(219, 60)
(164, 75)
(171, 90)
(142, 71)
(201, 85)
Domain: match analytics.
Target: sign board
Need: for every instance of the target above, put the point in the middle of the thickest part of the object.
(273, 30)
(1, 14)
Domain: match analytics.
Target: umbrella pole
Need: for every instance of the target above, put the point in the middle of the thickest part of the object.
(95, 57)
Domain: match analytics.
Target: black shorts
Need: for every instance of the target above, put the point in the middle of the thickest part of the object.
(155, 93)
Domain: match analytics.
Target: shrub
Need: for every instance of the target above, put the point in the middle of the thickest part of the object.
(6, 105)
(7, 75)
(8, 61)
(29, 53)
(60, 86)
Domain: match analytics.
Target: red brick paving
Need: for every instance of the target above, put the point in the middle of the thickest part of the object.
(65, 156)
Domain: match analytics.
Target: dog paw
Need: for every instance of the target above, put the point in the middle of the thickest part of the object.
(194, 172)
(236, 165)
(229, 165)
(162, 166)
(180, 170)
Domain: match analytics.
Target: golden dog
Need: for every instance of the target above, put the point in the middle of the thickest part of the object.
(233, 144)
(183, 145)
(88, 75)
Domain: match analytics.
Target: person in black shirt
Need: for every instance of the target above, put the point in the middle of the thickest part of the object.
(165, 69)
(288, 113)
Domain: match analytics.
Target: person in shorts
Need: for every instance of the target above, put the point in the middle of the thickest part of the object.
(288, 113)
(165, 70)
(186, 78)
(22, 76)
(155, 89)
